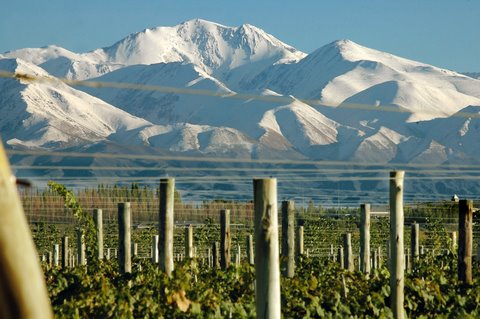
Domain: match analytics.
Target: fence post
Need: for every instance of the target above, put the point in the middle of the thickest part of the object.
(347, 244)
(299, 249)
(397, 265)
(267, 268)
(165, 244)
(134, 249)
(56, 255)
(379, 257)
(215, 249)
(465, 241)
(80, 247)
(98, 219)
(288, 238)
(65, 252)
(250, 253)
(341, 257)
(225, 239)
(155, 239)
(415, 244)
(22, 283)
(365, 238)
(189, 242)
(453, 239)
(124, 238)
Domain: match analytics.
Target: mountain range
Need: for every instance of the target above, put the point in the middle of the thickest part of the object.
(204, 89)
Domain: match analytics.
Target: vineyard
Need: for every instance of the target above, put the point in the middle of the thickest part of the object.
(329, 280)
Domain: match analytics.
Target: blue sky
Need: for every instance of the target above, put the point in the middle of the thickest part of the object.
(440, 32)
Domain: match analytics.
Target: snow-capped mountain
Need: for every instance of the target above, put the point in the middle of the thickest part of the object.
(257, 97)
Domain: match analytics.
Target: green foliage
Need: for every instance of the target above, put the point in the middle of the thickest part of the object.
(84, 220)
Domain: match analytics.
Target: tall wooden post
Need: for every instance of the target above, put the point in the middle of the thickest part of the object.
(341, 257)
(465, 241)
(155, 240)
(397, 265)
(288, 238)
(225, 240)
(215, 255)
(98, 219)
(365, 238)
(299, 241)
(189, 241)
(415, 244)
(23, 293)
(267, 268)
(124, 238)
(453, 239)
(65, 252)
(165, 245)
(56, 255)
(80, 247)
(347, 244)
(250, 253)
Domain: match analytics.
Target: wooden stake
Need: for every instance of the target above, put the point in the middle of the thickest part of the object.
(189, 241)
(347, 244)
(288, 238)
(250, 253)
(215, 255)
(98, 219)
(165, 245)
(396, 244)
(155, 240)
(415, 244)
(65, 252)
(23, 293)
(56, 255)
(365, 238)
(80, 247)
(225, 239)
(124, 238)
(267, 268)
(465, 241)
(299, 249)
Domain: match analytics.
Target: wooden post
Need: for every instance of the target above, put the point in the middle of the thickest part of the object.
(465, 241)
(98, 219)
(80, 247)
(108, 253)
(56, 255)
(267, 268)
(415, 244)
(341, 257)
(209, 257)
(23, 293)
(225, 239)
(124, 238)
(189, 242)
(288, 238)
(215, 255)
(365, 238)
(238, 258)
(407, 261)
(347, 244)
(134, 249)
(379, 256)
(65, 252)
(250, 252)
(165, 245)
(374, 260)
(453, 240)
(299, 249)
(155, 240)
(397, 264)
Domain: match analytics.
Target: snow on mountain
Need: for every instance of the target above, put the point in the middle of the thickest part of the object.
(345, 72)
(50, 113)
(214, 48)
(63, 63)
